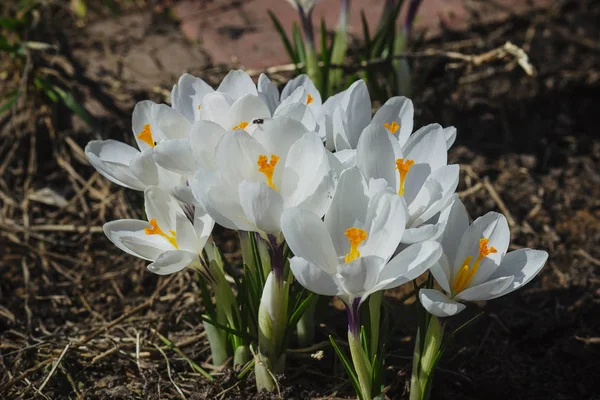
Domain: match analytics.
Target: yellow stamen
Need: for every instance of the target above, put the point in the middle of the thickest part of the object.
(155, 230)
(268, 167)
(146, 136)
(309, 99)
(242, 125)
(199, 106)
(355, 236)
(393, 127)
(468, 271)
(403, 166)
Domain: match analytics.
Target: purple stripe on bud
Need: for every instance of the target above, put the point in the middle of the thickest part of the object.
(353, 317)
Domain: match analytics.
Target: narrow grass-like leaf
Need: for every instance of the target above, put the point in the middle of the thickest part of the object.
(299, 42)
(228, 329)
(192, 364)
(347, 366)
(209, 307)
(284, 37)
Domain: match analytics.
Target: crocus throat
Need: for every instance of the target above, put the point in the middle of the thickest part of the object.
(155, 230)
(393, 127)
(146, 136)
(355, 236)
(309, 99)
(403, 166)
(268, 167)
(468, 271)
(242, 125)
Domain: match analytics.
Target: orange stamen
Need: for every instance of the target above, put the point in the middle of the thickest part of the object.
(467, 272)
(155, 230)
(268, 167)
(242, 125)
(393, 127)
(146, 136)
(403, 166)
(355, 236)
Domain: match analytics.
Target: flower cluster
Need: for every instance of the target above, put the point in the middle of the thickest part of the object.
(363, 202)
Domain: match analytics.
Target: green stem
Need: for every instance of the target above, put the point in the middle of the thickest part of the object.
(427, 357)
(361, 364)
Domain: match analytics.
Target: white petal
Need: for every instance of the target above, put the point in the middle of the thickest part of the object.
(237, 84)
(173, 261)
(307, 174)
(457, 221)
(262, 205)
(424, 232)
(186, 234)
(183, 194)
(441, 273)
(144, 167)
(523, 265)
(376, 155)
(487, 290)
(277, 135)
(347, 158)
(447, 178)
(112, 160)
(428, 146)
(358, 277)
(215, 108)
(410, 263)
(305, 82)
(450, 135)
(348, 208)
(268, 92)
(175, 155)
(171, 124)
(492, 226)
(161, 206)
(125, 228)
(340, 133)
(143, 115)
(188, 94)
(421, 206)
(385, 222)
(308, 238)
(357, 109)
(313, 277)
(438, 304)
(246, 109)
(398, 109)
(244, 149)
(204, 137)
(220, 201)
(298, 112)
(203, 225)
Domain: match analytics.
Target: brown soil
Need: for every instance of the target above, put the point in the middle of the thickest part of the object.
(78, 319)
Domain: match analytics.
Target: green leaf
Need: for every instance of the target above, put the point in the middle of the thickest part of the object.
(347, 366)
(383, 34)
(11, 24)
(228, 329)
(299, 311)
(247, 368)
(284, 38)
(69, 100)
(209, 307)
(366, 35)
(12, 99)
(299, 42)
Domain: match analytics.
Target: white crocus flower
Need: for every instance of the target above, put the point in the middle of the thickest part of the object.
(418, 172)
(169, 239)
(188, 94)
(256, 177)
(475, 265)
(135, 169)
(303, 5)
(348, 254)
